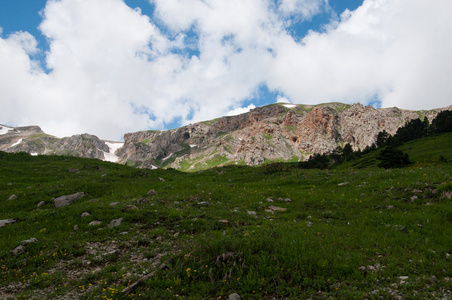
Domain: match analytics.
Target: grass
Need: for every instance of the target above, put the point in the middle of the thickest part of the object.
(352, 232)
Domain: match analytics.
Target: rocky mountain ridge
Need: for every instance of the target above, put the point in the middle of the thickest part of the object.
(33, 140)
(278, 132)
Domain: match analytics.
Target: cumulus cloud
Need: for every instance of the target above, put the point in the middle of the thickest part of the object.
(111, 70)
(302, 9)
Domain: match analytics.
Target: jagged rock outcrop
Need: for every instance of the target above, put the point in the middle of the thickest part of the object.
(278, 132)
(272, 133)
(33, 140)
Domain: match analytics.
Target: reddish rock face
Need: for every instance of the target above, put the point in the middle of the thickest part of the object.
(273, 132)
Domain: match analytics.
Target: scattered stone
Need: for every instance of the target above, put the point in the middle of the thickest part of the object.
(224, 221)
(413, 198)
(98, 168)
(75, 227)
(270, 200)
(161, 179)
(152, 193)
(42, 203)
(12, 197)
(123, 233)
(142, 201)
(67, 200)
(416, 191)
(9, 183)
(194, 198)
(286, 200)
(447, 195)
(343, 183)
(95, 223)
(19, 249)
(85, 214)
(129, 207)
(310, 224)
(362, 195)
(234, 296)
(203, 203)
(273, 208)
(390, 207)
(7, 222)
(114, 203)
(27, 242)
(115, 222)
(73, 170)
(252, 213)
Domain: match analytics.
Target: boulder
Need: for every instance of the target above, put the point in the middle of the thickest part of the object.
(85, 214)
(7, 222)
(115, 222)
(152, 193)
(67, 200)
(252, 213)
(95, 223)
(234, 296)
(21, 248)
(42, 203)
(273, 208)
(12, 197)
(129, 207)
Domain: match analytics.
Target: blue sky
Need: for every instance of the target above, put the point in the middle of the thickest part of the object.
(108, 67)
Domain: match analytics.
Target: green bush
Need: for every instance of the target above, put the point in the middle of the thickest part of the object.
(393, 158)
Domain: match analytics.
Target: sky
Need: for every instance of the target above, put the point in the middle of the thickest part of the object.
(108, 67)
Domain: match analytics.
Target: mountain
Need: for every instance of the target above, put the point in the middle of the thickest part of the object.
(33, 140)
(278, 132)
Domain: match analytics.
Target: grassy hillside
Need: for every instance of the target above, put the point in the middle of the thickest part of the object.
(354, 232)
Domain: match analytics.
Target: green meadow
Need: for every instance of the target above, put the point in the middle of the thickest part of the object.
(276, 231)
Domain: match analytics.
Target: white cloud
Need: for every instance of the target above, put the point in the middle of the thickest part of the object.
(303, 9)
(240, 110)
(282, 99)
(113, 70)
(398, 50)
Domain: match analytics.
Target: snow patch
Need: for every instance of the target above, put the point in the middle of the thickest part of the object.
(5, 130)
(166, 158)
(193, 146)
(110, 156)
(290, 105)
(34, 154)
(17, 143)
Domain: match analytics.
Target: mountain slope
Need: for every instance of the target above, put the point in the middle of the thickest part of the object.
(33, 140)
(280, 132)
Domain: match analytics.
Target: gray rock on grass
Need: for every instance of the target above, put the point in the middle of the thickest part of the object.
(23, 244)
(115, 222)
(234, 296)
(7, 222)
(95, 223)
(12, 197)
(67, 199)
(152, 193)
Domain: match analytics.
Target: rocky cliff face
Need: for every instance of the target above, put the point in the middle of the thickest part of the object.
(33, 140)
(279, 132)
(272, 133)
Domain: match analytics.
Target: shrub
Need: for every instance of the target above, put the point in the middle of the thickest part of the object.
(393, 158)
